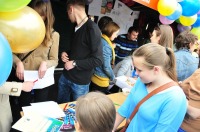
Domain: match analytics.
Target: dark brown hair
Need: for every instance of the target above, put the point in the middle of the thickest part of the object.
(184, 39)
(104, 21)
(76, 2)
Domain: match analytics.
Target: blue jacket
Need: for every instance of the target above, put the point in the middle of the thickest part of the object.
(186, 64)
(105, 70)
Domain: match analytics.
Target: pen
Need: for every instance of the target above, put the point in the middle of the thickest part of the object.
(35, 81)
(65, 107)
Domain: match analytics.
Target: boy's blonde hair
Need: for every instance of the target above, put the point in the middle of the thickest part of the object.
(95, 112)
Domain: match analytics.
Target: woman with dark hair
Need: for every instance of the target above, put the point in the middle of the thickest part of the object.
(186, 64)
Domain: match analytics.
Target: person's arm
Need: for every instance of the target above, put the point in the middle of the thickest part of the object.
(53, 52)
(107, 63)
(124, 68)
(118, 121)
(52, 56)
(193, 112)
(17, 63)
(15, 88)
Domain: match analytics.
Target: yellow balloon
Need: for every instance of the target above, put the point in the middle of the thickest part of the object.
(188, 21)
(12, 5)
(196, 31)
(167, 7)
(24, 29)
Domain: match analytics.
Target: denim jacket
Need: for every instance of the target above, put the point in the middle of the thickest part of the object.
(186, 64)
(105, 70)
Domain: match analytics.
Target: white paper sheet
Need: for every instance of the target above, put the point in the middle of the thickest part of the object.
(95, 8)
(37, 123)
(46, 81)
(47, 108)
(124, 82)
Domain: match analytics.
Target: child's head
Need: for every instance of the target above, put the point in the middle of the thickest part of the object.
(154, 59)
(187, 40)
(95, 112)
(163, 35)
(44, 9)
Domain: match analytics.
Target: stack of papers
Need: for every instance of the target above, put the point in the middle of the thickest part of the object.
(40, 117)
(37, 123)
(48, 108)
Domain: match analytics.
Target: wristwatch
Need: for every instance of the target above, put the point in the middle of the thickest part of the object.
(74, 63)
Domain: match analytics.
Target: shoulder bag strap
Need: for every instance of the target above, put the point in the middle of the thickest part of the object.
(27, 55)
(51, 45)
(157, 90)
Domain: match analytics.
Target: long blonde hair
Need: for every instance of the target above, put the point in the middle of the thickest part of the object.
(166, 35)
(95, 112)
(157, 55)
(44, 8)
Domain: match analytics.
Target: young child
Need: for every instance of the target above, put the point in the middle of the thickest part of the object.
(95, 112)
(164, 111)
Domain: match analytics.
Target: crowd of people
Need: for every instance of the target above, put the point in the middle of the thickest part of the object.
(98, 54)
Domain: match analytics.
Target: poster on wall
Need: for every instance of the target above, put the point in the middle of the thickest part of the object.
(149, 3)
(119, 12)
(100, 7)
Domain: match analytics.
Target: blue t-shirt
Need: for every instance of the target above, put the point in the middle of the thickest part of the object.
(163, 112)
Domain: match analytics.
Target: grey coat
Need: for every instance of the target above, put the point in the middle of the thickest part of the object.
(124, 67)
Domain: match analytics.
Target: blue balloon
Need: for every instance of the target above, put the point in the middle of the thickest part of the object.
(6, 59)
(177, 13)
(197, 23)
(190, 7)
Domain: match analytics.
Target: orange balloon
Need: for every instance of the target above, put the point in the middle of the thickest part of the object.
(24, 29)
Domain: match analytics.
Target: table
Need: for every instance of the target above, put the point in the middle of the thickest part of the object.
(117, 98)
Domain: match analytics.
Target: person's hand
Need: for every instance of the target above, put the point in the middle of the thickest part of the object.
(42, 69)
(20, 70)
(64, 57)
(27, 86)
(68, 65)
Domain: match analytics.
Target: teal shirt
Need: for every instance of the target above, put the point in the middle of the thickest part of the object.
(163, 112)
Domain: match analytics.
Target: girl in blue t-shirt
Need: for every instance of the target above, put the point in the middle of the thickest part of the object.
(164, 111)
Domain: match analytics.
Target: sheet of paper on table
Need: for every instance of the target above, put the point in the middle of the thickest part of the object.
(37, 123)
(47, 108)
(47, 80)
(125, 82)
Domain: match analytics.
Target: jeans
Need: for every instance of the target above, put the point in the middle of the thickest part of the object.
(66, 88)
(181, 130)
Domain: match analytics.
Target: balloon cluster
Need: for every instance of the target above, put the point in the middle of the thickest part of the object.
(185, 12)
(21, 30)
